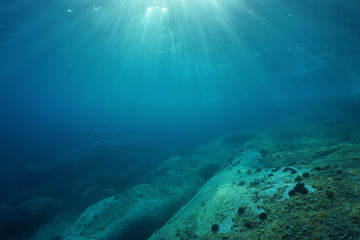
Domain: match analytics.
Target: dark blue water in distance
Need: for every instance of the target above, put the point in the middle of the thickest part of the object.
(141, 80)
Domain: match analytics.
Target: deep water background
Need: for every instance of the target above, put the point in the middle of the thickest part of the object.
(111, 80)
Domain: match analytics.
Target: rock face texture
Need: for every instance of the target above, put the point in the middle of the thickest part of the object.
(295, 182)
(149, 205)
(298, 180)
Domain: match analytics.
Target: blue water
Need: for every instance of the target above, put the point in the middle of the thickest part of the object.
(160, 77)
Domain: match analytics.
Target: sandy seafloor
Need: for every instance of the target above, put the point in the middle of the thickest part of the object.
(296, 179)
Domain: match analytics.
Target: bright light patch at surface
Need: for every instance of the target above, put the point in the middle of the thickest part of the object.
(157, 8)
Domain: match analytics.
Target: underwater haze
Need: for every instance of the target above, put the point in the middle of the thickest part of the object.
(165, 69)
(96, 94)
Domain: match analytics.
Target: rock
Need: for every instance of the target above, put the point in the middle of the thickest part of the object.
(148, 206)
(222, 197)
(28, 216)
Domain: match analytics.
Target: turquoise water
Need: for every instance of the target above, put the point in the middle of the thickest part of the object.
(160, 77)
(74, 68)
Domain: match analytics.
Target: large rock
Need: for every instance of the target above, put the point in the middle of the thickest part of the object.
(215, 207)
(136, 213)
(28, 216)
(313, 191)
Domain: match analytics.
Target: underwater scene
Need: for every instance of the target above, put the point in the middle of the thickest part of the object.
(179, 119)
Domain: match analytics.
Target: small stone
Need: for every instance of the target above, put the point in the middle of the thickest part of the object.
(298, 179)
(291, 193)
(300, 188)
(215, 228)
(263, 216)
(241, 210)
(306, 175)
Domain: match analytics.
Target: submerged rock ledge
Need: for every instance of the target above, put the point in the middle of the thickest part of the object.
(149, 205)
(288, 182)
